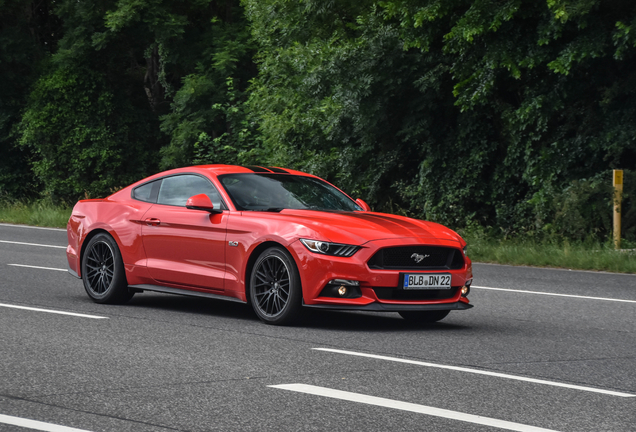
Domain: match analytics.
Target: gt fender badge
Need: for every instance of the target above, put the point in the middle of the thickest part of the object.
(233, 243)
(418, 258)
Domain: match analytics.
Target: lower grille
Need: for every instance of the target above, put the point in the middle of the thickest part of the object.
(417, 258)
(400, 294)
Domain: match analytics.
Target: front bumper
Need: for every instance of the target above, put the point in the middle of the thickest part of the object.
(317, 270)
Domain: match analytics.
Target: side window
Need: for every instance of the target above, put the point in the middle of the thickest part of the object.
(177, 189)
(147, 192)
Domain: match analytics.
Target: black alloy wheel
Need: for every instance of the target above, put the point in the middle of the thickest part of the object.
(103, 271)
(424, 317)
(275, 291)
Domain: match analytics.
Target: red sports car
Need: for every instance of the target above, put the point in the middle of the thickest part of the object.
(275, 238)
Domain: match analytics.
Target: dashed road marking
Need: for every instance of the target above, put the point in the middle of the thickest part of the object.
(480, 372)
(37, 425)
(32, 244)
(52, 311)
(32, 227)
(407, 406)
(554, 294)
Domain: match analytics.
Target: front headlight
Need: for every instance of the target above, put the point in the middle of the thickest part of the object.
(333, 249)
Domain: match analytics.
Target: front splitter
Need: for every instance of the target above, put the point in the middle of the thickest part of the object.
(384, 307)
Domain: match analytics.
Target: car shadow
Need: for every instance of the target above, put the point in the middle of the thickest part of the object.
(368, 321)
(193, 305)
(310, 318)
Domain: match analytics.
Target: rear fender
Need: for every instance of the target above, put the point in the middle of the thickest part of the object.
(121, 221)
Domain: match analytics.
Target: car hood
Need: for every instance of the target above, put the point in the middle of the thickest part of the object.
(361, 227)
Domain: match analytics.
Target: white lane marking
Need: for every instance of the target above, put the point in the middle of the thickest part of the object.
(33, 244)
(37, 425)
(407, 406)
(479, 372)
(555, 269)
(32, 227)
(52, 311)
(554, 294)
(37, 267)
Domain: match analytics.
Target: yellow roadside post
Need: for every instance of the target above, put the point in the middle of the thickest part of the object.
(618, 196)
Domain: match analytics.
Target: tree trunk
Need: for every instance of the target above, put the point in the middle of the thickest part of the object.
(152, 85)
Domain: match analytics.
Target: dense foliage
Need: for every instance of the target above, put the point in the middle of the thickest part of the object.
(507, 114)
(28, 35)
(460, 110)
(131, 87)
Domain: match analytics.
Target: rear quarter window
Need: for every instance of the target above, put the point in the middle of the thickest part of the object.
(147, 192)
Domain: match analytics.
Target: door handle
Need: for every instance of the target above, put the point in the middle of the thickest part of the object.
(152, 222)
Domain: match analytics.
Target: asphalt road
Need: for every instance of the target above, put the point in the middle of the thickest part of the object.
(516, 361)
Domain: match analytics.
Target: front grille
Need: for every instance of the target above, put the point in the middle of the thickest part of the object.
(400, 294)
(404, 258)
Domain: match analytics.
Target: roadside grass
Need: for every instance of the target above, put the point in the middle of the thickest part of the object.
(560, 254)
(37, 213)
(481, 248)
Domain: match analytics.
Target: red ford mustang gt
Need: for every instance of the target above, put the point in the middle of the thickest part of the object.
(275, 238)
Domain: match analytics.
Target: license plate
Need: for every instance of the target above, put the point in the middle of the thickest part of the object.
(426, 281)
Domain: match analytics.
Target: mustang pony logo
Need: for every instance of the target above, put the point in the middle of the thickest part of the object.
(418, 258)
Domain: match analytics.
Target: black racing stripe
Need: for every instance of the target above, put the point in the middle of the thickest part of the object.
(278, 170)
(257, 169)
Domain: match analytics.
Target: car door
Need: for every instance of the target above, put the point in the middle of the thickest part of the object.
(186, 247)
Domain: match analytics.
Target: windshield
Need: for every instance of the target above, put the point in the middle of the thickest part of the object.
(275, 192)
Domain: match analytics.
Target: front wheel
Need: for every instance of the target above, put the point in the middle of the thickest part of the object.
(103, 271)
(275, 290)
(424, 317)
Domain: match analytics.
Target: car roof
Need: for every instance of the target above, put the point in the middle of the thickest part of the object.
(219, 169)
(215, 170)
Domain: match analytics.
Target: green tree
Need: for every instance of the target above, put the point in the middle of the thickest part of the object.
(88, 121)
(123, 71)
(198, 65)
(209, 122)
(28, 34)
(88, 138)
(556, 80)
(338, 95)
(458, 111)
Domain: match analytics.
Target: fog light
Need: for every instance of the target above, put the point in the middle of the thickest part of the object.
(342, 289)
(465, 290)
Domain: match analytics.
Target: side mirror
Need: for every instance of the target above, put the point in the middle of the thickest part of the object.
(201, 202)
(364, 205)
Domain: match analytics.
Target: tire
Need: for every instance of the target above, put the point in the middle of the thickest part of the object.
(103, 271)
(275, 290)
(424, 317)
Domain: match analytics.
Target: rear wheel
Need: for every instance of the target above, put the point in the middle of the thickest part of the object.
(103, 271)
(424, 317)
(275, 290)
